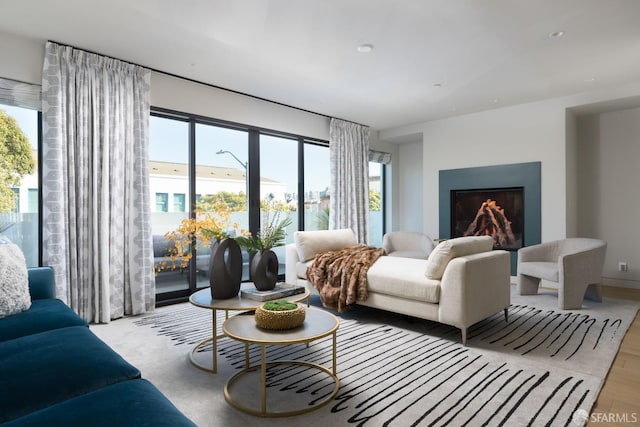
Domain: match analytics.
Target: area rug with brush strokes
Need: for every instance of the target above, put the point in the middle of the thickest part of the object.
(544, 367)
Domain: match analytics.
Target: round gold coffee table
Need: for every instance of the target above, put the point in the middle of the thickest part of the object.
(318, 324)
(203, 299)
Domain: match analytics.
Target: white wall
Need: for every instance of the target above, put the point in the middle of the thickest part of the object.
(410, 185)
(571, 175)
(22, 58)
(524, 133)
(185, 96)
(542, 131)
(609, 195)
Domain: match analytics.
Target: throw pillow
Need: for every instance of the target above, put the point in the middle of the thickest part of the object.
(14, 281)
(311, 243)
(453, 248)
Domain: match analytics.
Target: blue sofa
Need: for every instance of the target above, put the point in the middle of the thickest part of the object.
(54, 371)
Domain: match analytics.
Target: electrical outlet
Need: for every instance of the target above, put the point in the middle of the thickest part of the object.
(622, 266)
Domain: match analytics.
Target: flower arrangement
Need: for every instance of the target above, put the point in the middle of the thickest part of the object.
(198, 233)
(271, 234)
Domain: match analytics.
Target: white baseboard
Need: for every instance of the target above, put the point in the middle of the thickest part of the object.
(621, 283)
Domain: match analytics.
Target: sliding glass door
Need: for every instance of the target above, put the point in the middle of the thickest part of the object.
(317, 180)
(279, 186)
(19, 199)
(221, 179)
(169, 187)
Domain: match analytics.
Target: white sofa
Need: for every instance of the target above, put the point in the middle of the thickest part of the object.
(462, 282)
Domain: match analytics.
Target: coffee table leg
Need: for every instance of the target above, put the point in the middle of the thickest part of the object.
(334, 355)
(246, 355)
(263, 369)
(214, 343)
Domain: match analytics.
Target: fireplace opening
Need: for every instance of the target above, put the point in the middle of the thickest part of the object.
(496, 212)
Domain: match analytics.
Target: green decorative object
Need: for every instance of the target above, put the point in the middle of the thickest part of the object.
(280, 315)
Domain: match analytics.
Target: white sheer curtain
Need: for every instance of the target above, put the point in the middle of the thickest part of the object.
(349, 160)
(96, 213)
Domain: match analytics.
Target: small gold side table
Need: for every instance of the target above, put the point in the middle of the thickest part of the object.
(318, 324)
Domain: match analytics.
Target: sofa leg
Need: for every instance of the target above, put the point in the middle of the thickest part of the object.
(506, 315)
(528, 285)
(464, 336)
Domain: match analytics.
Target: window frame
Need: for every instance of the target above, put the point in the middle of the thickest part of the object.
(253, 176)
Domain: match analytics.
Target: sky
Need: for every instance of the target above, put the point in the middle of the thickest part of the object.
(169, 142)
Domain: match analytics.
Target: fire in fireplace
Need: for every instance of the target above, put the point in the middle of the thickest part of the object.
(496, 212)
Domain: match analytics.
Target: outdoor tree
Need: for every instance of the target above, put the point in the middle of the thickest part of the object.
(235, 202)
(374, 200)
(16, 160)
(375, 204)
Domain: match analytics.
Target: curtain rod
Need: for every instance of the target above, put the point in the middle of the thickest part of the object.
(237, 92)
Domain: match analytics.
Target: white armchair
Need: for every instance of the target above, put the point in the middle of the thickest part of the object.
(407, 244)
(574, 263)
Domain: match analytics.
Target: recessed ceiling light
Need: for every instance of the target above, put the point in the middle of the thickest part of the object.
(365, 48)
(556, 34)
(590, 80)
(495, 100)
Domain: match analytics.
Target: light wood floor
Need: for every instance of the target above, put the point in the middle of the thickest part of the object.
(620, 396)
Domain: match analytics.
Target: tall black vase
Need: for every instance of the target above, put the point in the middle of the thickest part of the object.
(225, 269)
(264, 270)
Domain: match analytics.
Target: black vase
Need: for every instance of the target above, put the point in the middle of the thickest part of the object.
(264, 270)
(225, 269)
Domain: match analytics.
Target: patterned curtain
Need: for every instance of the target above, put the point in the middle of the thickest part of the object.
(379, 157)
(19, 94)
(349, 160)
(96, 212)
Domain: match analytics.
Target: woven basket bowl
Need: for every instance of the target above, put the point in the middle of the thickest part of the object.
(288, 319)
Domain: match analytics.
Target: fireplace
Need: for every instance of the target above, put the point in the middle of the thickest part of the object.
(496, 212)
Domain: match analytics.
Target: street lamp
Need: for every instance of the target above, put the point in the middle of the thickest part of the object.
(246, 174)
(244, 164)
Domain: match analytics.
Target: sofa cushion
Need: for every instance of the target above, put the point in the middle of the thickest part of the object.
(44, 315)
(409, 254)
(311, 243)
(453, 248)
(40, 370)
(404, 278)
(542, 270)
(14, 281)
(129, 403)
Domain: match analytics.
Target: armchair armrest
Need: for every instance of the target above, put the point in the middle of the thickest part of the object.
(583, 266)
(42, 283)
(543, 252)
(474, 287)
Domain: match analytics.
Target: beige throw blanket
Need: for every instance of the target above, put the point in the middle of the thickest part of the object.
(341, 276)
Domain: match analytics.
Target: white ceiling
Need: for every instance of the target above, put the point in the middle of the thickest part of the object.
(484, 53)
